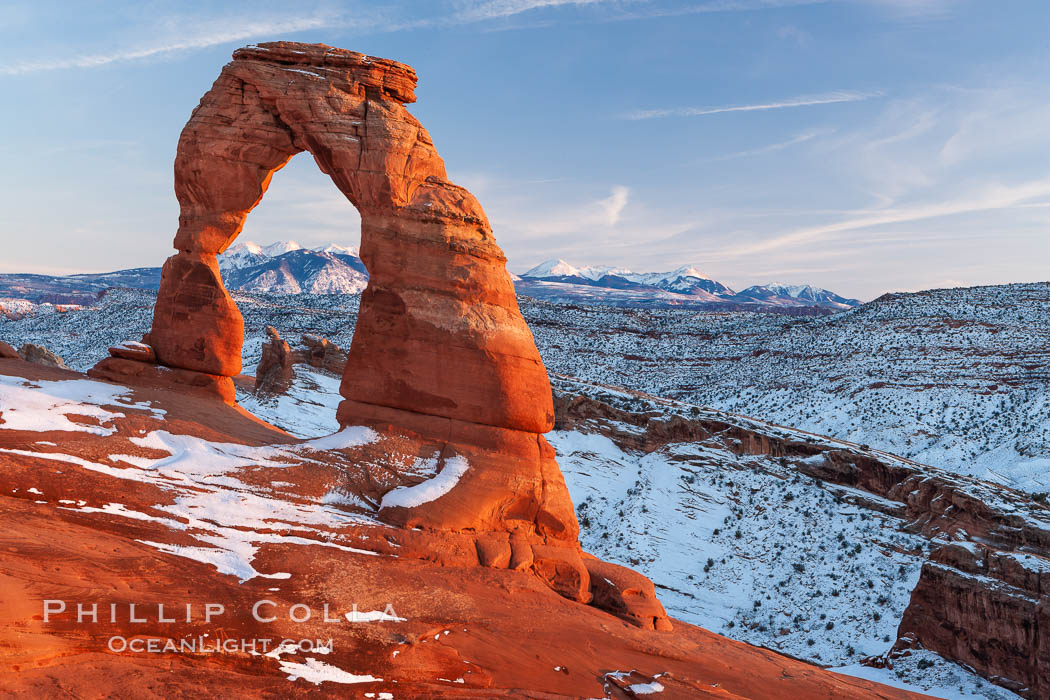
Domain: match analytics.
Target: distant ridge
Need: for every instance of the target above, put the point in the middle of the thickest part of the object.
(286, 267)
(558, 280)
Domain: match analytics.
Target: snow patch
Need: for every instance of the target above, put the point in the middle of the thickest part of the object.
(43, 405)
(318, 672)
(429, 490)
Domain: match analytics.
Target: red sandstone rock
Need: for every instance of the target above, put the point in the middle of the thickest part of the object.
(500, 630)
(440, 351)
(512, 483)
(274, 372)
(132, 350)
(626, 593)
(7, 352)
(124, 371)
(494, 550)
(323, 354)
(987, 609)
(196, 325)
(442, 364)
(562, 569)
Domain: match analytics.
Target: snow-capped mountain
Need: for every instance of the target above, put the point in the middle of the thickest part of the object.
(286, 267)
(251, 253)
(801, 292)
(560, 268)
(684, 279)
(242, 255)
(558, 280)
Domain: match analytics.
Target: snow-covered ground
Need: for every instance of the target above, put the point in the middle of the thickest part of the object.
(225, 516)
(926, 672)
(307, 410)
(749, 548)
(81, 336)
(744, 546)
(959, 378)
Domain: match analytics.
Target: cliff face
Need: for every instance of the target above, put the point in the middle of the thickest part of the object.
(935, 501)
(987, 609)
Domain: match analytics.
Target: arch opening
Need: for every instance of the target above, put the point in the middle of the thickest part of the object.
(302, 238)
(302, 205)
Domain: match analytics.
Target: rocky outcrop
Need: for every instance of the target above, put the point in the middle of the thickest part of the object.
(125, 371)
(133, 350)
(135, 362)
(38, 354)
(323, 354)
(987, 609)
(8, 353)
(626, 593)
(274, 373)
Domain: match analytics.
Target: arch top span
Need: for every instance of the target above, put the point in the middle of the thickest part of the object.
(439, 332)
(275, 100)
(398, 80)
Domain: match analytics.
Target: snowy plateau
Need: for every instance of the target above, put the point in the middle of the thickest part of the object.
(747, 545)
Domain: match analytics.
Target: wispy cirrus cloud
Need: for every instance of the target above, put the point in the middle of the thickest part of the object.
(203, 38)
(805, 136)
(494, 9)
(590, 217)
(917, 9)
(990, 198)
(174, 35)
(806, 101)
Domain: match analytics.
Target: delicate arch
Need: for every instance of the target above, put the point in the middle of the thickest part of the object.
(439, 332)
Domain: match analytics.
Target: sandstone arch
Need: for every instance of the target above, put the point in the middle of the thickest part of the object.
(442, 364)
(439, 331)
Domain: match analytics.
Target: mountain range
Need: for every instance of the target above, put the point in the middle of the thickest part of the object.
(288, 268)
(557, 280)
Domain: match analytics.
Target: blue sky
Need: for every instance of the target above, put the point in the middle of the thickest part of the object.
(859, 145)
